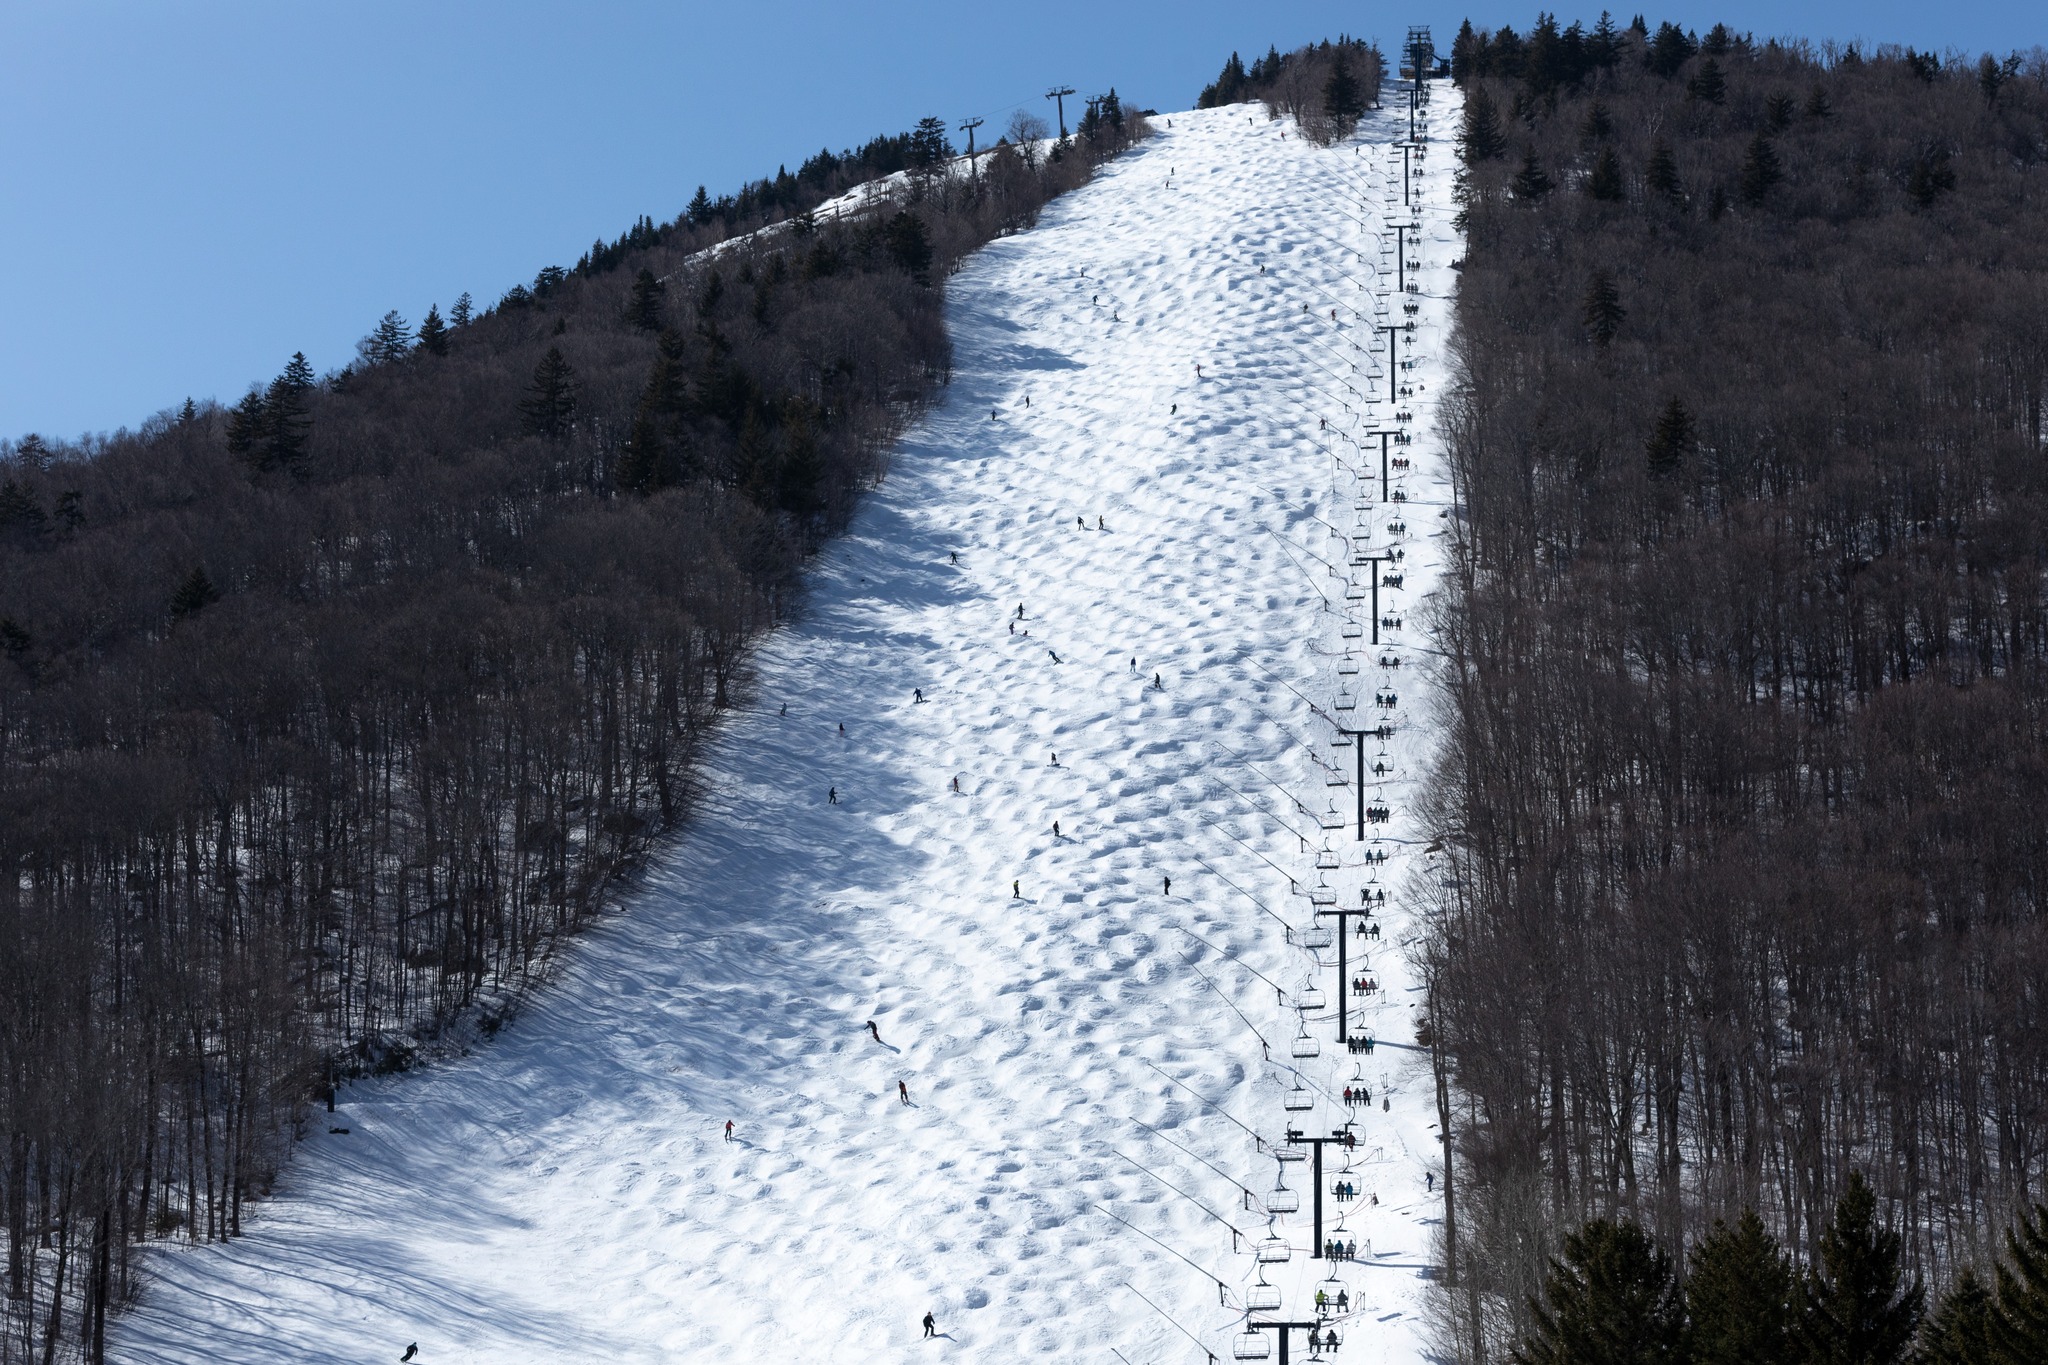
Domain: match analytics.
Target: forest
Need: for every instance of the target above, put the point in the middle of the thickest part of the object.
(1324, 87)
(326, 715)
(1738, 912)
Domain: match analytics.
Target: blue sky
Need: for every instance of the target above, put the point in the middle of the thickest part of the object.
(191, 192)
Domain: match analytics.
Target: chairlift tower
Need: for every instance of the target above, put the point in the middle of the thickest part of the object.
(1058, 94)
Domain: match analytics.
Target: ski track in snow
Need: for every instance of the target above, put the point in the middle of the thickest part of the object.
(565, 1193)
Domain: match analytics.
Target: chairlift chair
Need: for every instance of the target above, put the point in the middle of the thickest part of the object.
(1305, 1046)
(1311, 997)
(1348, 665)
(1282, 1199)
(1298, 1099)
(1262, 1297)
(1318, 935)
(1250, 1346)
(1327, 856)
(1290, 1151)
(1274, 1249)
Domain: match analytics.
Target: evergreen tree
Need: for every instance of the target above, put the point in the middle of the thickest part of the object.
(1531, 183)
(909, 247)
(188, 414)
(643, 307)
(1227, 88)
(929, 146)
(459, 315)
(248, 427)
(1817, 105)
(1778, 111)
(1481, 135)
(1759, 170)
(699, 211)
(1670, 441)
(71, 509)
(1602, 313)
(1343, 99)
(1605, 181)
(1464, 49)
(802, 468)
(1858, 1310)
(32, 452)
(1742, 1297)
(1611, 1299)
(194, 595)
(1961, 1330)
(2021, 1328)
(1668, 51)
(21, 516)
(550, 403)
(1931, 177)
(1708, 85)
(390, 342)
(433, 332)
(1598, 124)
(1603, 44)
(639, 469)
(287, 423)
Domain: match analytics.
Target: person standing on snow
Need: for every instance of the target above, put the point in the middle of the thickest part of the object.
(903, 1092)
(872, 1029)
(728, 1130)
(931, 1325)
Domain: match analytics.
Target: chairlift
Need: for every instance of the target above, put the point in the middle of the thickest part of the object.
(1298, 1099)
(1353, 629)
(1327, 856)
(1290, 1151)
(1305, 1046)
(1348, 665)
(1282, 1199)
(1311, 997)
(1250, 1346)
(1318, 935)
(1334, 818)
(1262, 1297)
(1274, 1250)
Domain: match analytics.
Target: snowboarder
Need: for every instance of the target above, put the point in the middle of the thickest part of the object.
(991, 414)
(832, 796)
(903, 1092)
(410, 1352)
(931, 1325)
(1055, 655)
(842, 727)
(1159, 682)
(875, 1031)
(1055, 829)
(728, 1130)
(956, 556)
(917, 694)
(785, 708)
(1081, 522)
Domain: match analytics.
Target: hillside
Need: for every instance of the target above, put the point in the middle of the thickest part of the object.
(1115, 565)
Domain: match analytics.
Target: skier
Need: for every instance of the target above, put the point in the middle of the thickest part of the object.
(728, 1130)
(1173, 411)
(1098, 522)
(1198, 367)
(1134, 663)
(1055, 760)
(875, 1031)
(917, 693)
(785, 708)
(1168, 889)
(956, 784)
(832, 796)
(410, 1352)
(1055, 829)
(1016, 894)
(931, 1325)
(1431, 1177)
(1020, 611)
(903, 1092)
(956, 556)
(1159, 682)
(1055, 655)
(842, 727)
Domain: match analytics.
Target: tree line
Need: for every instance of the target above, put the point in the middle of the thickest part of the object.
(1740, 877)
(324, 715)
(1324, 87)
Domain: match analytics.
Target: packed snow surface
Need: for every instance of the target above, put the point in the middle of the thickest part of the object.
(1097, 1068)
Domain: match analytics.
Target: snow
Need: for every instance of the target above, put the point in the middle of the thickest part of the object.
(1071, 1052)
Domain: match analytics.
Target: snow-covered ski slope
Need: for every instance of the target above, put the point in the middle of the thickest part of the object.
(1087, 1050)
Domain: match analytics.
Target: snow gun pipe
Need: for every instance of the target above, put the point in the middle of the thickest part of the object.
(1263, 1042)
(1269, 782)
(1181, 1192)
(1291, 688)
(1227, 1176)
(1200, 1345)
(1256, 854)
(1229, 956)
(1258, 809)
(1240, 891)
(1220, 1110)
(1210, 1275)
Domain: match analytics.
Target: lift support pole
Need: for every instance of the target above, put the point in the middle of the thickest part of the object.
(1343, 960)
